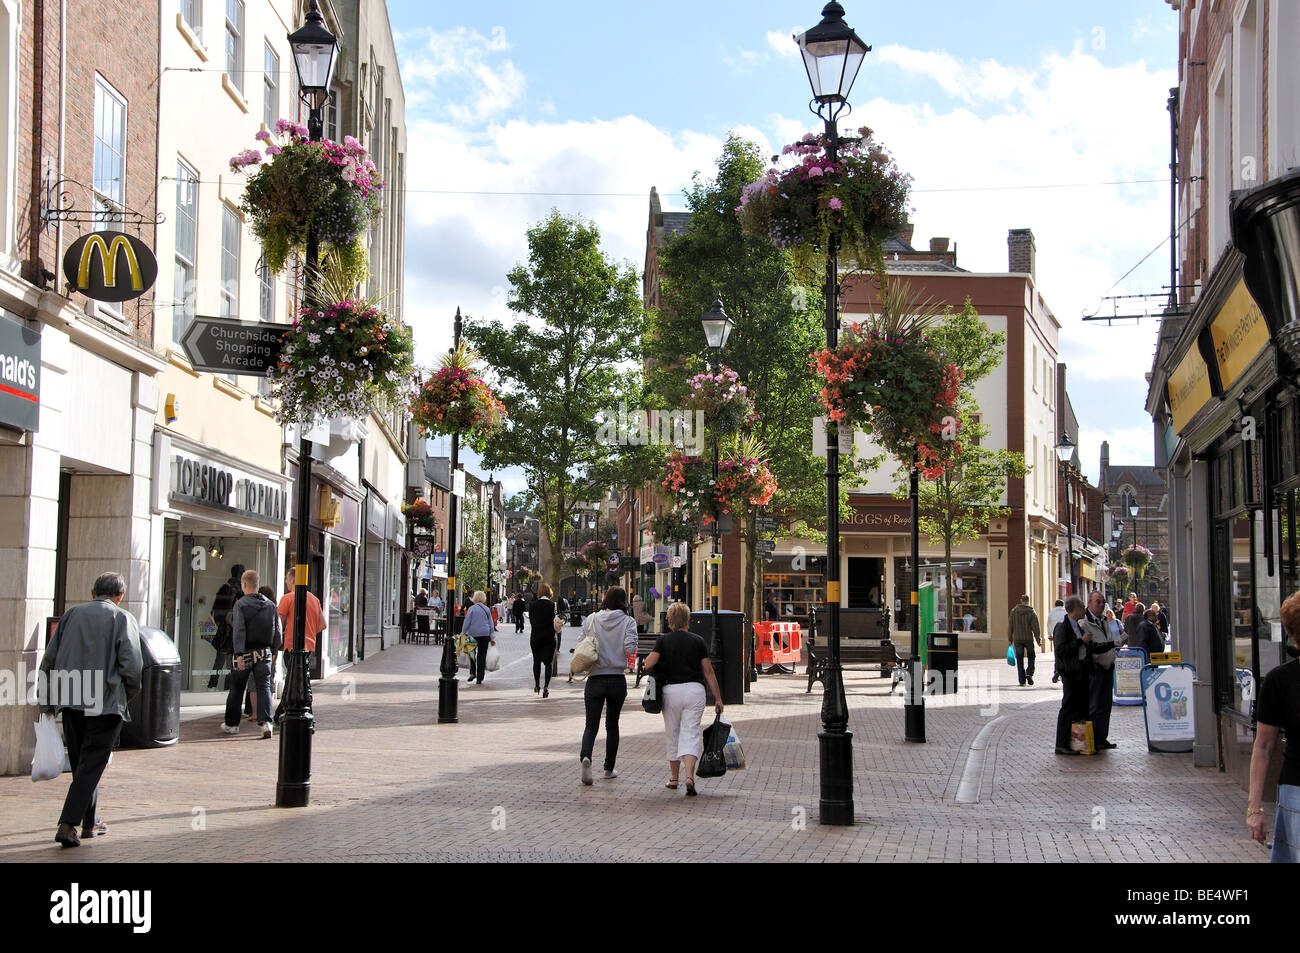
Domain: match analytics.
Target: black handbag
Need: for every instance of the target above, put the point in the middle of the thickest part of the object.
(713, 762)
(652, 697)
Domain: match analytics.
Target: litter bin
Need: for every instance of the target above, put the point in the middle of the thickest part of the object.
(942, 650)
(156, 711)
(729, 662)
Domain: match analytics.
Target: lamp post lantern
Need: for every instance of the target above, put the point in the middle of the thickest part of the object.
(832, 55)
(315, 51)
(717, 330)
(1133, 512)
(1065, 450)
(490, 585)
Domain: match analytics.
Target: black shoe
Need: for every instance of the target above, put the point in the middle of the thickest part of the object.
(1066, 751)
(1106, 745)
(1030, 679)
(536, 689)
(1055, 678)
(546, 693)
(1022, 684)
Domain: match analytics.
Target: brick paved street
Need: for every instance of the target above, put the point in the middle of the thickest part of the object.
(390, 784)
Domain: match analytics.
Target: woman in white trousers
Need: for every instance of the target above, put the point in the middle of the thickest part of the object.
(680, 661)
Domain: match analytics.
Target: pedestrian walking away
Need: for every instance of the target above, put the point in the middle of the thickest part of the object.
(1022, 633)
(481, 627)
(90, 671)
(315, 624)
(517, 609)
(542, 638)
(257, 635)
(1278, 709)
(606, 687)
(1102, 684)
(681, 666)
(222, 603)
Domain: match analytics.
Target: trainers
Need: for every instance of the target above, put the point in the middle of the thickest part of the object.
(610, 774)
(586, 771)
(98, 829)
(230, 729)
(266, 730)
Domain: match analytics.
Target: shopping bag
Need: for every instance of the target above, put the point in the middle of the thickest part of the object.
(493, 659)
(47, 762)
(465, 651)
(733, 752)
(1011, 655)
(1081, 738)
(652, 699)
(587, 651)
(713, 762)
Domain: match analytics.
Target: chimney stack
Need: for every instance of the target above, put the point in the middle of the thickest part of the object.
(1020, 252)
(906, 234)
(1105, 462)
(938, 246)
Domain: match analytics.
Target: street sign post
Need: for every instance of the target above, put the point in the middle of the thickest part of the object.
(764, 547)
(765, 524)
(221, 346)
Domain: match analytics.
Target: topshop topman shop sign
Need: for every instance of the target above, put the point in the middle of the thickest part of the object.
(20, 375)
(209, 484)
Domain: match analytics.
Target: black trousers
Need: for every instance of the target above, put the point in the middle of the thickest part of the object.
(90, 740)
(543, 657)
(1100, 698)
(607, 692)
(1074, 705)
(1024, 649)
(261, 675)
(480, 656)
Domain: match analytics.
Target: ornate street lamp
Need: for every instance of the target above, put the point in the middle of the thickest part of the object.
(448, 683)
(1133, 512)
(490, 585)
(315, 50)
(832, 55)
(1065, 450)
(717, 329)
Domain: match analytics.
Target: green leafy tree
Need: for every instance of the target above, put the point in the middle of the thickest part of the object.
(957, 507)
(561, 364)
(472, 556)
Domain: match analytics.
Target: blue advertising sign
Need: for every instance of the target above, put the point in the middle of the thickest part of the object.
(1127, 689)
(439, 559)
(1168, 707)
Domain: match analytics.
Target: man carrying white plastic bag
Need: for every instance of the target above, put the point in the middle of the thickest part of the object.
(90, 670)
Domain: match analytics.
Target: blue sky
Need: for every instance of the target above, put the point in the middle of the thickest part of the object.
(564, 97)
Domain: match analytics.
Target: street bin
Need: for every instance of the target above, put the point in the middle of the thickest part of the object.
(729, 660)
(156, 711)
(942, 650)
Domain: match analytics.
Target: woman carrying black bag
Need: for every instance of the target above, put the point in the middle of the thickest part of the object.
(681, 665)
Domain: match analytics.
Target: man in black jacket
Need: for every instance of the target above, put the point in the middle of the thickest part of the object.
(517, 609)
(1148, 634)
(222, 603)
(1101, 692)
(256, 634)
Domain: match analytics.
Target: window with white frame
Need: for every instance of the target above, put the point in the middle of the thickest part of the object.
(1247, 98)
(192, 14)
(270, 88)
(110, 147)
(235, 43)
(1219, 167)
(187, 243)
(229, 262)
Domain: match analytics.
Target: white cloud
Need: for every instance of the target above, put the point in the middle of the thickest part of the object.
(782, 44)
(1128, 445)
(461, 70)
(969, 81)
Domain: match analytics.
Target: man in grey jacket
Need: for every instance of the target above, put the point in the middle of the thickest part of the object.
(90, 670)
(257, 635)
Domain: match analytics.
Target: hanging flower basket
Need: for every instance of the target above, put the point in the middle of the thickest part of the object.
(331, 186)
(596, 553)
(454, 399)
(420, 515)
(1137, 558)
(899, 390)
(673, 527)
(861, 196)
(526, 577)
(577, 564)
(742, 482)
(725, 402)
(341, 359)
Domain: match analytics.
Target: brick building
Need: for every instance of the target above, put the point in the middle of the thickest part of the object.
(1125, 486)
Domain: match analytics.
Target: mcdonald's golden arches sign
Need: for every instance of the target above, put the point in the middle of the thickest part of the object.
(110, 266)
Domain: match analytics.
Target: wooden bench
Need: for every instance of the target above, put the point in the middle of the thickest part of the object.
(873, 653)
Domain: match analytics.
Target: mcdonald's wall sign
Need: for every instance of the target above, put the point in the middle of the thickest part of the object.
(110, 266)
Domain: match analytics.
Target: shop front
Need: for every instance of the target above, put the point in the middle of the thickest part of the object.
(1232, 432)
(214, 517)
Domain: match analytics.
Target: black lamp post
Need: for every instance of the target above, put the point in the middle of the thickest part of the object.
(1133, 512)
(717, 329)
(832, 55)
(1065, 450)
(448, 683)
(315, 50)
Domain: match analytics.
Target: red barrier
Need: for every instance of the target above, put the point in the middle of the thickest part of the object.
(777, 643)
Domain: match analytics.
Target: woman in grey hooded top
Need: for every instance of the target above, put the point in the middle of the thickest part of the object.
(606, 686)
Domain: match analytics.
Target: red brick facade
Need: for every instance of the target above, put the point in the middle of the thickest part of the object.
(118, 41)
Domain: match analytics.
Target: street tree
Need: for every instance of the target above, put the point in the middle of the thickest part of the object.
(561, 364)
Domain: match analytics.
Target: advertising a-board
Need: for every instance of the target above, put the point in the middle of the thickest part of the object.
(1168, 707)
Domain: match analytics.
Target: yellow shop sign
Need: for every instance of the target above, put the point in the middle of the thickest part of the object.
(1239, 333)
(1189, 388)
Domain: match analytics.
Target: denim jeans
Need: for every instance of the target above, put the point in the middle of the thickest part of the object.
(1024, 649)
(261, 674)
(608, 692)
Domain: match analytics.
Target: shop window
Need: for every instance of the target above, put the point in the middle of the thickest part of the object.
(969, 600)
(795, 586)
(372, 592)
(339, 626)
